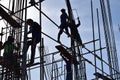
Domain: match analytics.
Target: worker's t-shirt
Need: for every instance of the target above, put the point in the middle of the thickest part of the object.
(35, 29)
(8, 48)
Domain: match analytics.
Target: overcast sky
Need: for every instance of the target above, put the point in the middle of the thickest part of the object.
(52, 9)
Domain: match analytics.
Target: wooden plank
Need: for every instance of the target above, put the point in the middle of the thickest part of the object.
(29, 65)
(99, 75)
(9, 19)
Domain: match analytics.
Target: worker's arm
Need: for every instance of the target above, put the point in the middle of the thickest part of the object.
(17, 47)
(30, 30)
(64, 58)
(79, 23)
(1, 45)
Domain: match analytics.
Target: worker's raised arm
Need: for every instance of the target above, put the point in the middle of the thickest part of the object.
(1, 45)
(79, 23)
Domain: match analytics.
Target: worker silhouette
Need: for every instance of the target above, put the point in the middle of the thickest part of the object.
(69, 63)
(9, 57)
(32, 2)
(9, 48)
(64, 20)
(35, 29)
(75, 34)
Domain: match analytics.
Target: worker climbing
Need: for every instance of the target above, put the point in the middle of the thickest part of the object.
(64, 20)
(68, 68)
(75, 34)
(35, 29)
(69, 60)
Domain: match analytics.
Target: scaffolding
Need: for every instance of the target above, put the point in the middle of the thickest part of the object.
(94, 59)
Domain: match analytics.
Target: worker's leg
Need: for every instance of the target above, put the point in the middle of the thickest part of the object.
(69, 76)
(33, 48)
(69, 71)
(59, 34)
(16, 65)
(79, 40)
(8, 57)
(67, 31)
(28, 44)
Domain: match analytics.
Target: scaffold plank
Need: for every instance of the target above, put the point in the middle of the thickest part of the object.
(9, 19)
(99, 75)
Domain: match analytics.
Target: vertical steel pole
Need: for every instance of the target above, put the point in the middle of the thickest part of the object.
(41, 48)
(101, 56)
(24, 72)
(42, 60)
(93, 31)
(114, 54)
(107, 35)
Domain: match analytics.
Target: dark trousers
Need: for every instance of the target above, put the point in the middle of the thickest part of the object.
(33, 48)
(69, 70)
(61, 31)
(78, 38)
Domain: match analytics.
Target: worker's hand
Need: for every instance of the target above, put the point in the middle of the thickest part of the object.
(61, 54)
(58, 27)
(18, 44)
(78, 18)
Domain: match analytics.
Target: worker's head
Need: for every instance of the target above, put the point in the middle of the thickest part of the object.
(29, 21)
(10, 38)
(62, 10)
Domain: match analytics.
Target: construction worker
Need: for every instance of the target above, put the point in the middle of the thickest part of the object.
(75, 34)
(64, 20)
(35, 29)
(10, 59)
(68, 67)
(9, 47)
(32, 2)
